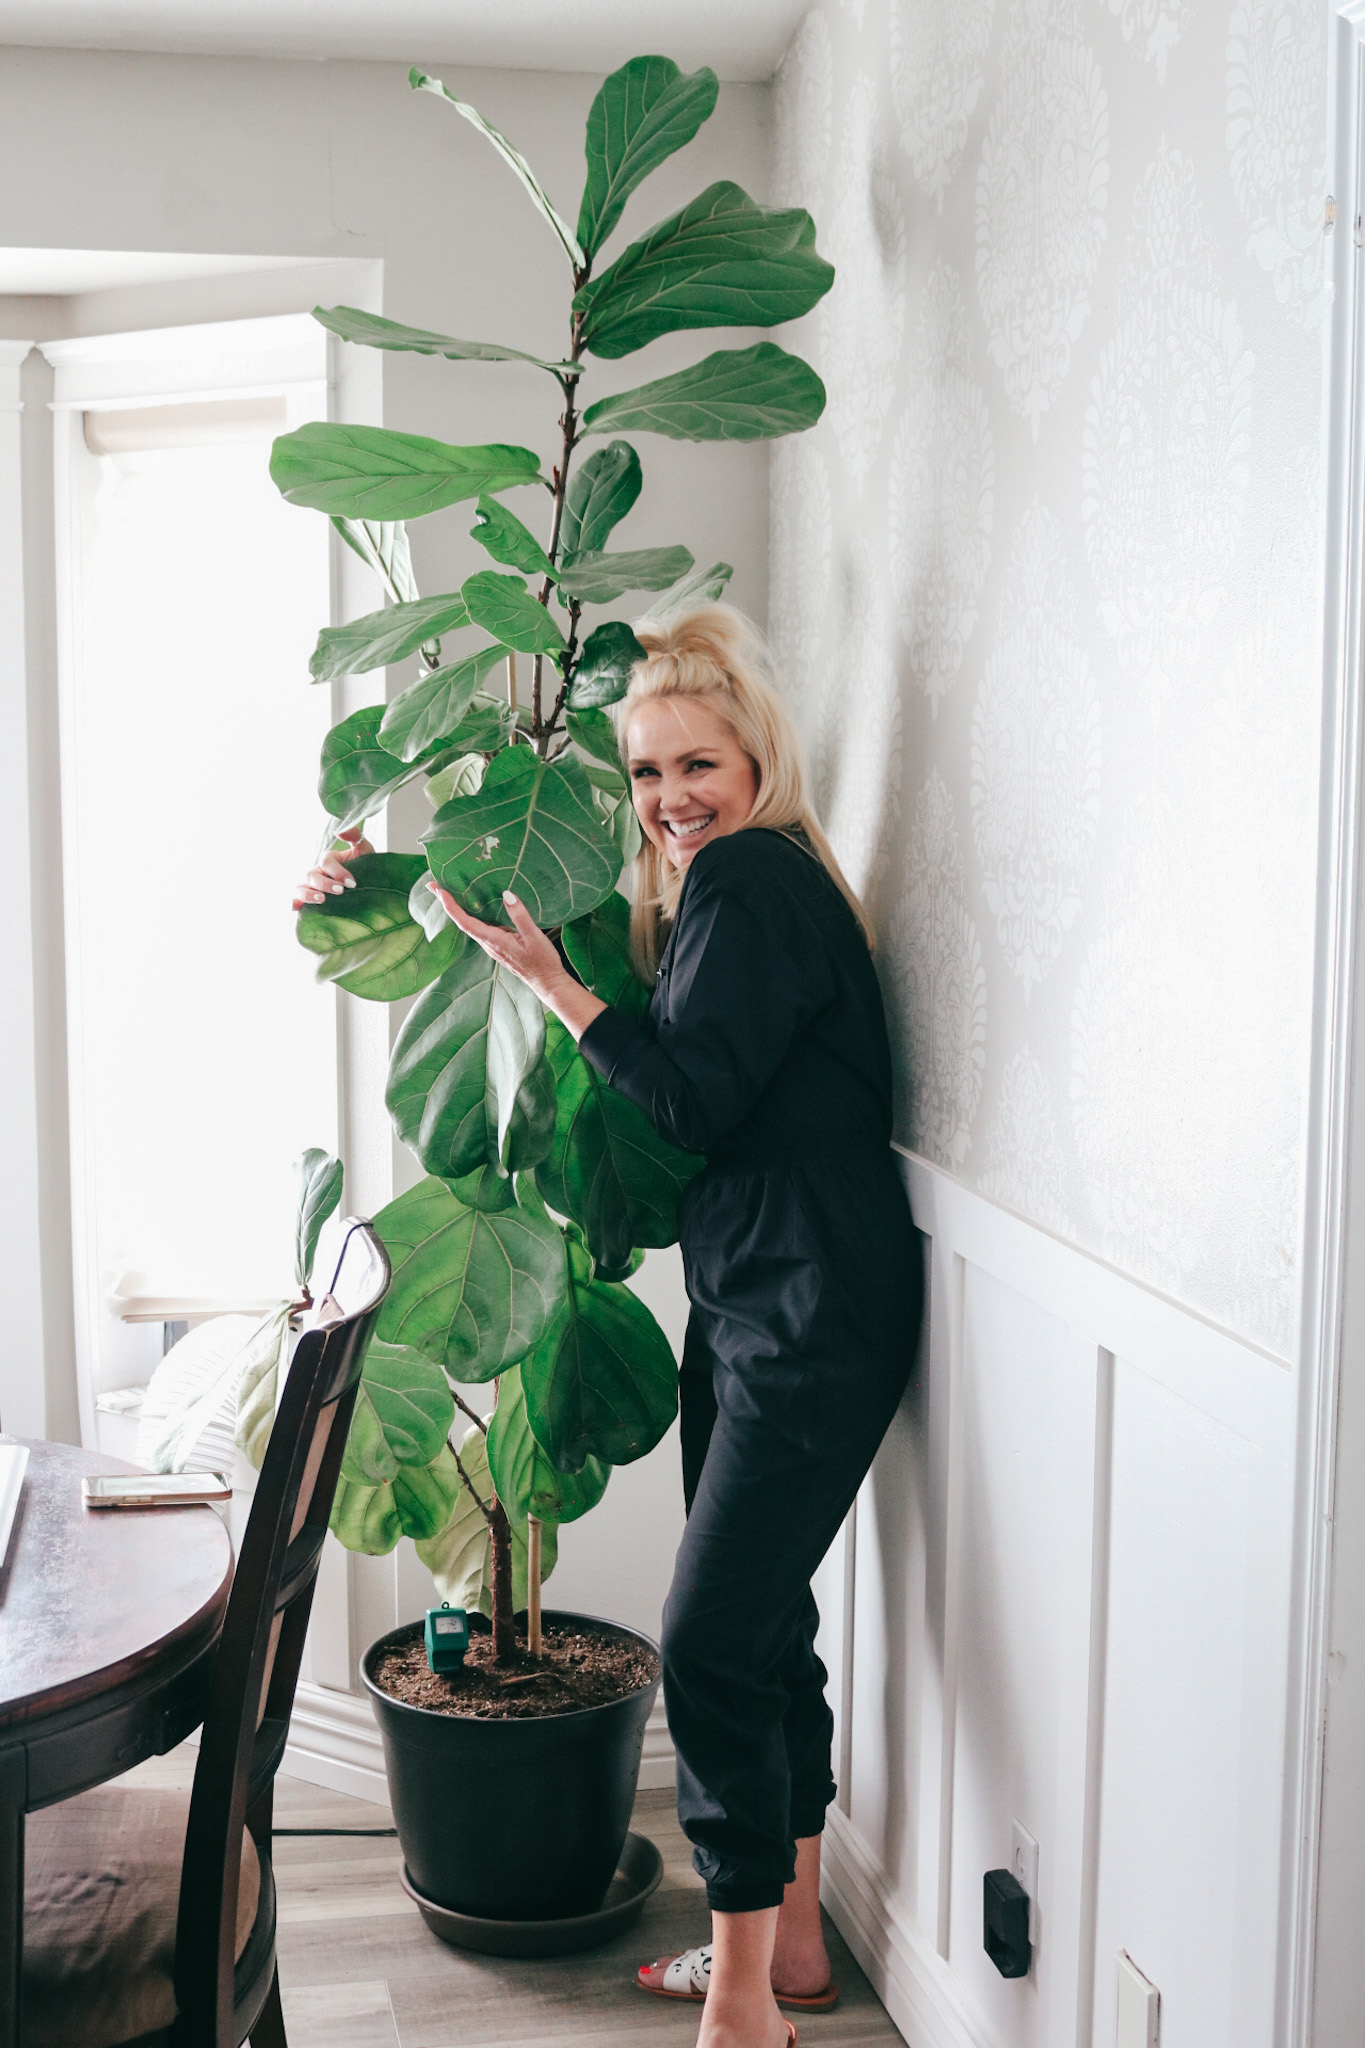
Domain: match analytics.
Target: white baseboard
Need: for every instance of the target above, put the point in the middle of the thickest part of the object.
(657, 1772)
(333, 1741)
(920, 1993)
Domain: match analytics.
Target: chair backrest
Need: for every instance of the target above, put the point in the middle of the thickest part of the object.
(257, 1665)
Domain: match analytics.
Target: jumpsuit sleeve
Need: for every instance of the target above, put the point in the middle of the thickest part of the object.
(747, 972)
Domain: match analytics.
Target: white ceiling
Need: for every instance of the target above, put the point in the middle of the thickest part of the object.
(742, 39)
(60, 273)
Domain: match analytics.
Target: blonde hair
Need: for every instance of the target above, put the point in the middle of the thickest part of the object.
(714, 655)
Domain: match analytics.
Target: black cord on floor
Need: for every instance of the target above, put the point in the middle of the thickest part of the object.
(334, 1831)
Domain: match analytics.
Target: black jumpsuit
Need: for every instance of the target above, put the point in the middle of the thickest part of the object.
(765, 1048)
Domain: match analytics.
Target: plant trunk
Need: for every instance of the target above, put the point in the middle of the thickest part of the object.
(500, 1548)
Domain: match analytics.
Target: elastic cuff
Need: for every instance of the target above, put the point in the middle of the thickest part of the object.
(743, 1898)
(809, 1819)
(606, 1038)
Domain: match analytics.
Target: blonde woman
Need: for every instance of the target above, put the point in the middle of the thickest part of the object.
(765, 1049)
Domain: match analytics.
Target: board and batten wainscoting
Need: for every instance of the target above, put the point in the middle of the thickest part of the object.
(1064, 1601)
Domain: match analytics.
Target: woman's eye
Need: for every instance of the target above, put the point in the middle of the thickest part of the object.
(639, 774)
(702, 765)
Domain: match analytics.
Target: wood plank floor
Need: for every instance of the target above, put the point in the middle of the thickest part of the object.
(358, 1968)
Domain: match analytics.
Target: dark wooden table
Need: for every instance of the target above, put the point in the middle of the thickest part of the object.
(108, 1624)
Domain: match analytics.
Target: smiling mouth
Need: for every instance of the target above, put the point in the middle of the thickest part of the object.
(688, 828)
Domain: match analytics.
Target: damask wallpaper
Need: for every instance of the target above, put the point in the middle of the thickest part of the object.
(1046, 595)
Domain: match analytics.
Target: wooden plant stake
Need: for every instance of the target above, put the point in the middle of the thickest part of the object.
(533, 1636)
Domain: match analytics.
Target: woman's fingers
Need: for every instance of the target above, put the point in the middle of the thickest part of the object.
(332, 875)
(521, 916)
(493, 938)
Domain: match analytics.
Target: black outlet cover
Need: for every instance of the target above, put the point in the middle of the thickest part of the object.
(1006, 1917)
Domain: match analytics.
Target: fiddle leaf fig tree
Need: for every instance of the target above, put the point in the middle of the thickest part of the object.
(541, 1186)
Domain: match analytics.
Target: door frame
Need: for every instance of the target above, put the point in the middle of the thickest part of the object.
(1316, 1972)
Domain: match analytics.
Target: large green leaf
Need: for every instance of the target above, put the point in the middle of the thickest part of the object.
(641, 115)
(737, 394)
(402, 1416)
(602, 676)
(418, 1501)
(601, 1382)
(533, 1121)
(594, 577)
(611, 795)
(527, 1482)
(382, 544)
(568, 242)
(598, 947)
(365, 1517)
(460, 777)
(485, 727)
(607, 1167)
(503, 606)
(507, 540)
(259, 1365)
(594, 732)
(703, 588)
(384, 637)
(376, 332)
(366, 940)
(490, 1188)
(601, 492)
(375, 473)
(458, 1558)
(532, 828)
(320, 1179)
(460, 1061)
(472, 1288)
(724, 261)
(358, 774)
(433, 708)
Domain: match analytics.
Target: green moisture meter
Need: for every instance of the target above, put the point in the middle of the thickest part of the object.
(447, 1637)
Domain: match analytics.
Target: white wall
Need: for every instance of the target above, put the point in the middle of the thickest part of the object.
(340, 163)
(1047, 589)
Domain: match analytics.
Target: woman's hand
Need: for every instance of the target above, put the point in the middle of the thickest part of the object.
(329, 877)
(531, 957)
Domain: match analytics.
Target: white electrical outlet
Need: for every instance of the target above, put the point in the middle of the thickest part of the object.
(1139, 2017)
(1024, 1868)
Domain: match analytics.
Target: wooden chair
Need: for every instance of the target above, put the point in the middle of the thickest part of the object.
(110, 1960)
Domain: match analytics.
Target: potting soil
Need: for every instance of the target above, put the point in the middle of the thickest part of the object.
(578, 1669)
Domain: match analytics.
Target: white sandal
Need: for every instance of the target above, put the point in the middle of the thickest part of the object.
(684, 1976)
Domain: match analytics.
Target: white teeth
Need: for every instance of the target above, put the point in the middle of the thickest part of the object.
(689, 828)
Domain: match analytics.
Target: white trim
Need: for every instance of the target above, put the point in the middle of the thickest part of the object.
(23, 1397)
(922, 1996)
(1339, 820)
(334, 1741)
(218, 359)
(658, 1766)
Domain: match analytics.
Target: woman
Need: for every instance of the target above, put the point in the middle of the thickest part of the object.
(765, 1049)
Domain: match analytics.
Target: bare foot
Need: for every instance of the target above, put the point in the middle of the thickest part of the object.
(737, 2025)
(800, 1961)
(800, 1968)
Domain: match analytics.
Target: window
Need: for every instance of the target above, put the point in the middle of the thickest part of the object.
(203, 1055)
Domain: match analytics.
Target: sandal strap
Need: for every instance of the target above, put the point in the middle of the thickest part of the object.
(690, 1972)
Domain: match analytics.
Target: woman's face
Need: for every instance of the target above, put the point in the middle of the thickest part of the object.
(691, 780)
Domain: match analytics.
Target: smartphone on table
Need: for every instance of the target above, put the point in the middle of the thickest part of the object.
(154, 1489)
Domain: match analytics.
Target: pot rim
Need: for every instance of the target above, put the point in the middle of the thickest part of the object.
(548, 1614)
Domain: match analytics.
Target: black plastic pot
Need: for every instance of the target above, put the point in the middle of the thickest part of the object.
(513, 1820)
